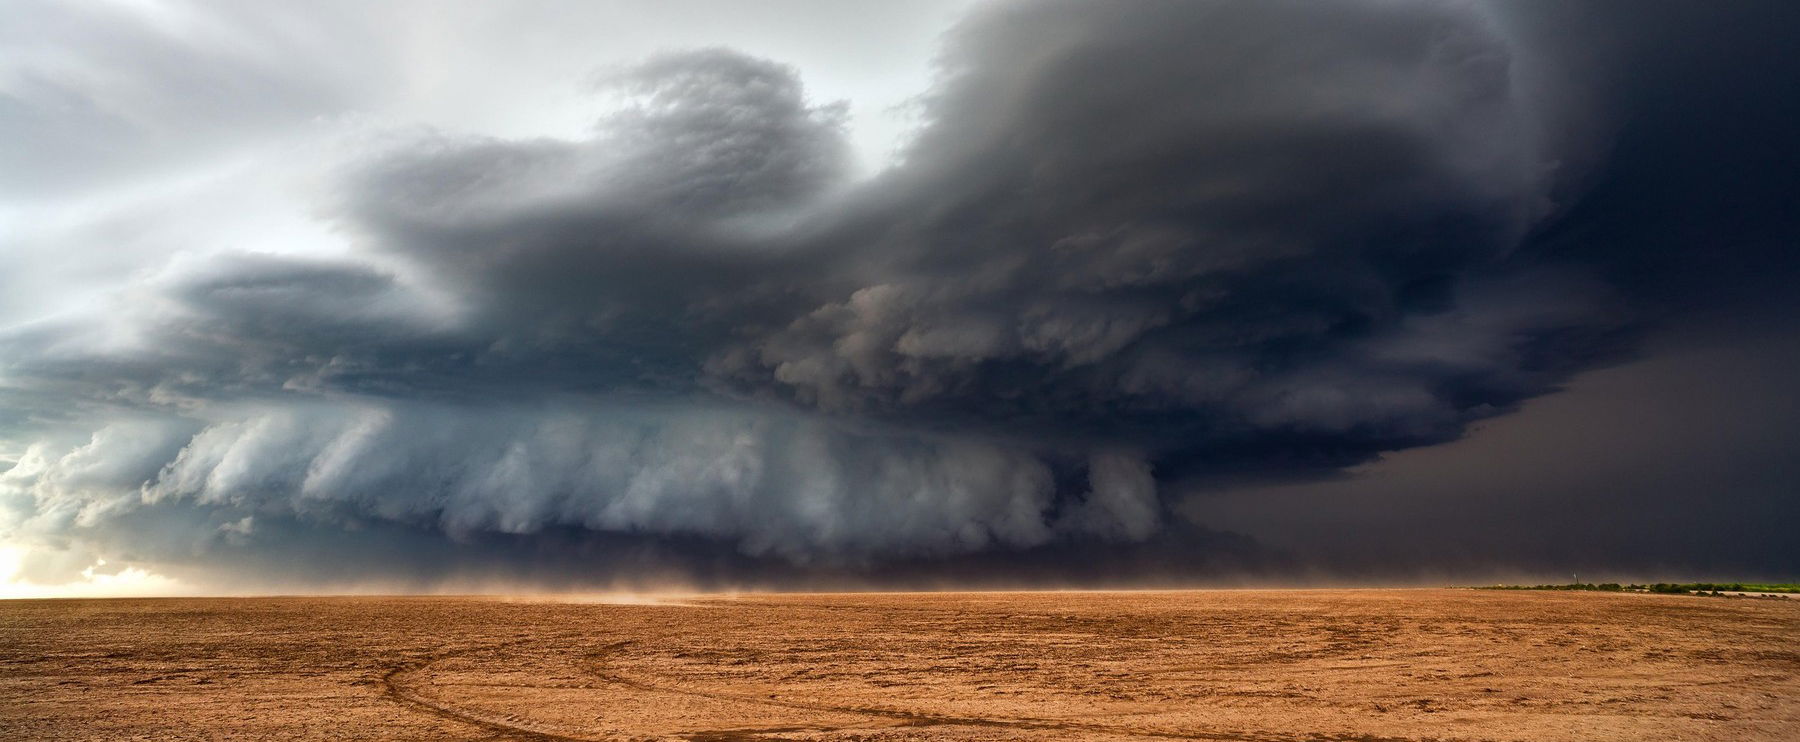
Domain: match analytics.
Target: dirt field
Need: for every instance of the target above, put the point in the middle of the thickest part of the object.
(1220, 665)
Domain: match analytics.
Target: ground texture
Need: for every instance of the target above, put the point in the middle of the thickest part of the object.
(1264, 666)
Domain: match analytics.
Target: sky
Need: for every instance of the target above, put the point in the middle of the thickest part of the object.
(423, 296)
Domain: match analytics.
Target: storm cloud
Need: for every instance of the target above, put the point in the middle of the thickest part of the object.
(1133, 253)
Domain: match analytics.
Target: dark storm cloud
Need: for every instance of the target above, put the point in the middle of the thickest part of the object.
(1693, 209)
(1132, 245)
(1296, 227)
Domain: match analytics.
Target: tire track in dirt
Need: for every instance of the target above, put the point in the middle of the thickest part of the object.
(394, 690)
(597, 668)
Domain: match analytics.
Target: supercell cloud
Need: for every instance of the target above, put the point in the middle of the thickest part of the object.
(1132, 254)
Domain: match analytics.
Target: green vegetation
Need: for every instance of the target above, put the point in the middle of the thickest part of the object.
(1703, 588)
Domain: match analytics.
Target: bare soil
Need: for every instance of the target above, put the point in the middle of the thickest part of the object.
(1253, 665)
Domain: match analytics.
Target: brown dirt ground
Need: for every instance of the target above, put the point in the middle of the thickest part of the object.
(1253, 665)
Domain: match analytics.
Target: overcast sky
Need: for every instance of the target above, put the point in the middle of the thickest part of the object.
(559, 295)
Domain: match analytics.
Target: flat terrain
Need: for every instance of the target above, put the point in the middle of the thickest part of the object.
(1212, 665)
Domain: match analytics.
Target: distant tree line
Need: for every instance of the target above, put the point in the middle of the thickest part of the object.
(1664, 587)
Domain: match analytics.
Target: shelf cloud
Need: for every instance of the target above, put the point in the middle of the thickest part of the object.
(1133, 253)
